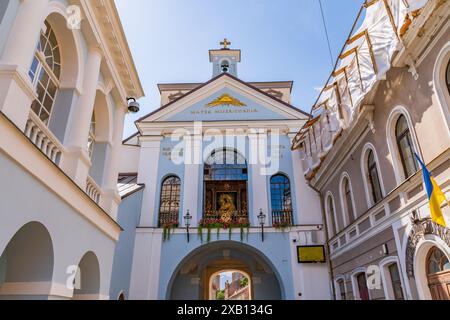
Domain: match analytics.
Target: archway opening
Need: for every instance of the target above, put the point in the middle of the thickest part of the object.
(230, 285)
(195, 278)
(26, 264)
(87, 281)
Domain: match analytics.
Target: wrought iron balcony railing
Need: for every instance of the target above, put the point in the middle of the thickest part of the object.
(282, 218)
(234, 217)
(170, 218)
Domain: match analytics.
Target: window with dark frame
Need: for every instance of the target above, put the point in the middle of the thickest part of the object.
(281, 200)
(348, 200)
(169, 207)
(331, 214)
(396, 282)
(342, 293)
(405, 147)
(437, 262)
(44, 73)
(226, 165)
(362, 286)
(374, 178)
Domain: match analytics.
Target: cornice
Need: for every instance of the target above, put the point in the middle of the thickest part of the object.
(112, 38)
(166, 128)
(423, 30)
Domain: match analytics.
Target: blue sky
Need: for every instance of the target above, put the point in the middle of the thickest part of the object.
(280, 40)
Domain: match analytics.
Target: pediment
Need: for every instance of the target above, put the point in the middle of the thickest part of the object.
(225, 98)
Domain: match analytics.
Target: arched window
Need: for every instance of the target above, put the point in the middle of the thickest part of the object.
(280, 191)
(447, 77)
(225, 66)
(44, 73)
(362, 292)
(331, 216)
(340, 288)
(225, 186)
(405, 146)
(437, 262)
(373, 178)
(225, 165)
(347, 200)
(169, 207)
(91, 137)
(391, 279)
(396, 281)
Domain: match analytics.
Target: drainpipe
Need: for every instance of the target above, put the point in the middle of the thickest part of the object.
(327, 238)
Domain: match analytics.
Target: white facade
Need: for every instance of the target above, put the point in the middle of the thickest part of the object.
(222, 116)
(59, 198)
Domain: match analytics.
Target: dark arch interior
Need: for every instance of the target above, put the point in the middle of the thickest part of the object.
(89, 280)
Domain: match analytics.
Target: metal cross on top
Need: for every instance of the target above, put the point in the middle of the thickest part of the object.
(225, 43)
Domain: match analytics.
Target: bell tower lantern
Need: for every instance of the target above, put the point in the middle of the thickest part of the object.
(224, 60)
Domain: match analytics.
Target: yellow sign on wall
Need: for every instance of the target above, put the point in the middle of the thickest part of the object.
(311, 254)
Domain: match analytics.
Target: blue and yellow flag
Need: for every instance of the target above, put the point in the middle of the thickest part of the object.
(435, 195)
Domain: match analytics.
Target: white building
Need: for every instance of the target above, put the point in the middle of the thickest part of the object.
(175, 165)
(65, 75)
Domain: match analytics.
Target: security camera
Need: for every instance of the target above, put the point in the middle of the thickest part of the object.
(133, 105)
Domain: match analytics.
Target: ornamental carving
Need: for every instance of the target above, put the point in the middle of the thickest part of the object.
(419, 230)
(226, 100)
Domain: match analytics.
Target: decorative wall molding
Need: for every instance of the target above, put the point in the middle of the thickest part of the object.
(419, 230)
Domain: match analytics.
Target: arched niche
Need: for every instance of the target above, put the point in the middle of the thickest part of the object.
(87, 282)
(26, 264)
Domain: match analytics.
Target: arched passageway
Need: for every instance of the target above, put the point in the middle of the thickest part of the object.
(192, 278)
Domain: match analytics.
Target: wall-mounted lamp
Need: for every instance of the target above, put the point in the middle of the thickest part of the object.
(262, 222)
(187, 222)
(133, 105)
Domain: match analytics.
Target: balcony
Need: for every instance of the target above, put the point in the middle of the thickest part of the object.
(232, 218)
(282, 218)
(43, 138)
(169, 218)
(93, 190)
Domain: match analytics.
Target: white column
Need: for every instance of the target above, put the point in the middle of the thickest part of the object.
(110, 199)
(309, 210)
(16, 90)
(24, 34)
(76, 162)
(258, 179)
(144, 282)
(148, 175)
(192, 159)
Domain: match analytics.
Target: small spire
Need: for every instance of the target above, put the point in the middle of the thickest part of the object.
(225, 43)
